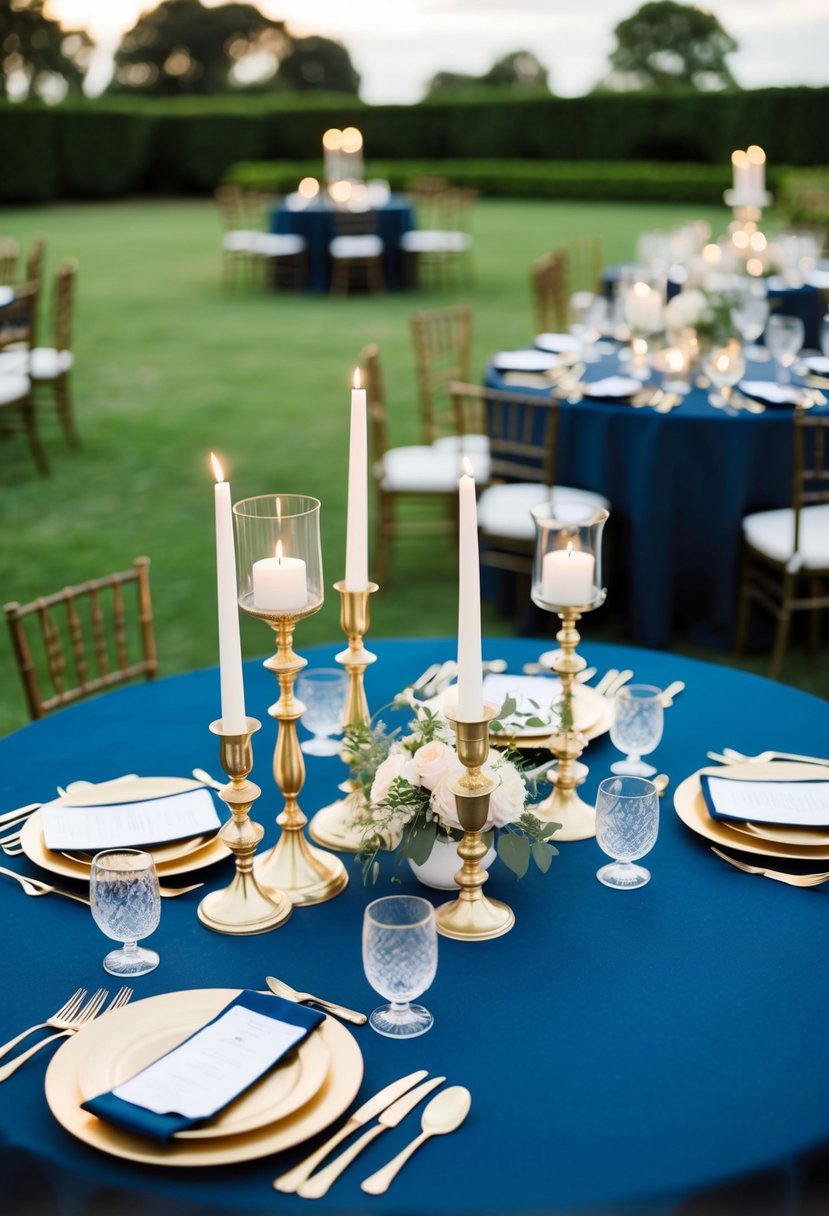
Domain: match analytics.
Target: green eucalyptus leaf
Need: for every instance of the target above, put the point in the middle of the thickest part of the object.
(514, 851)
(542, 855)
(536, 721)
(419, 842)
(508, 708)
(547, 829)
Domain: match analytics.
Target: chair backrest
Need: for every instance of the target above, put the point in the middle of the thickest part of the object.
(549, 288)
(810, 465)
(584, 264)
(64, 303)
(373, 383)
(9, 253)
(355, 223)
(230, 201)
(426, 192)
(442, 345)
(34, 274)
(522, 430)
(17, 318)
(454, 209)
(88, 641)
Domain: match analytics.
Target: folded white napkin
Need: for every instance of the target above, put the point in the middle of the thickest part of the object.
(818, 363)
(560, 344)
(524, 360)
(770, 391)
(613, 386)
(129, 823)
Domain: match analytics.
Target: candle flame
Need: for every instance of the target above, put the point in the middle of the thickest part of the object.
(466, 465)
(217, 468)
(569, 549)
(356, 381)
(278, 552)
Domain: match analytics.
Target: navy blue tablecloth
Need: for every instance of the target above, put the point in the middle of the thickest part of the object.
(624, 1049)
(316, 223)
(679, 485)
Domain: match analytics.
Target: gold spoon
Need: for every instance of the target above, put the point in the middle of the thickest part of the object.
(444, 1114)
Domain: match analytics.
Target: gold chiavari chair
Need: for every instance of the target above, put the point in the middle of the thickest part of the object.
(549, 290)
(83, 639)
(442, 346)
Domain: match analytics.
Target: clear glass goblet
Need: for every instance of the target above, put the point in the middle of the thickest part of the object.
(637, 727)
(627, 822)
(749, 316)
(784, 338)
(824, 335)
(724, 366)
(400, 959)
(322, 691)
(126, 905)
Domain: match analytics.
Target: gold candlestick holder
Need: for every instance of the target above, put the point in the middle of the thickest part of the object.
(280, 581)
(243, 907)
(473, 916)
(564, 806)
(567, 565)
(336, 826)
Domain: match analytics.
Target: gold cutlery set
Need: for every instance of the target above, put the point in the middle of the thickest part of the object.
(67, 1020)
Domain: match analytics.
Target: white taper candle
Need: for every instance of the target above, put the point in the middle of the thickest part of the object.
(470, 665)
(230, 645)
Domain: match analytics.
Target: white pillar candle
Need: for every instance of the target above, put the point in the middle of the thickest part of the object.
(230, 646)
(356, 537)
(567, 577)
(279, 583)
(756, 167)
(643, 308)
(740, 174)
(470, 666)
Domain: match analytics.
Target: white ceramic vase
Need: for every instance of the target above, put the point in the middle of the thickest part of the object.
(442, 864)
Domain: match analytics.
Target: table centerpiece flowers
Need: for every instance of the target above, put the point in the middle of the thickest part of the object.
(407, 806)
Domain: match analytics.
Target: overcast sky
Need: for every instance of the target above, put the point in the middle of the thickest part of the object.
(397, 45)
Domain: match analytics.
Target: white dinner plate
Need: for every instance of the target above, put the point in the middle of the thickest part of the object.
(613, 386)
(524, 361)
(558, 344)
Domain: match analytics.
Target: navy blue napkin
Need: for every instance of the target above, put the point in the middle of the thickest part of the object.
(133, 1118)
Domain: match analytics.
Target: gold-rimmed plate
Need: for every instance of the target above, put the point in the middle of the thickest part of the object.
(689, 805)
(125, 1045)
(34, 847)
(341, 1084)
(593, 713)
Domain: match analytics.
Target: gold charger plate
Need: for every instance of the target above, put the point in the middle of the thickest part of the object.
(131, 1039)
(689, 805)
(593, 716)
(337, 1092)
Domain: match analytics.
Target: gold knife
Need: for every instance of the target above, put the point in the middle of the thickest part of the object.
(318, 1184)
(293, 1179)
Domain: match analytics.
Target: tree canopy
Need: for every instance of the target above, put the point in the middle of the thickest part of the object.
(317, 63)
(38, 58)
(519, 71)
(665, 46)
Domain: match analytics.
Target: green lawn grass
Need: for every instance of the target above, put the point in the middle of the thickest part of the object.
(169, 365)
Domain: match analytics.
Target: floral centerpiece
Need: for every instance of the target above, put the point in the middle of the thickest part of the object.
(407, 804)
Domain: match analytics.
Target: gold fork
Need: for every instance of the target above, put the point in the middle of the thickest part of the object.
(793, 880)
(89, 1011)
(57, 1020)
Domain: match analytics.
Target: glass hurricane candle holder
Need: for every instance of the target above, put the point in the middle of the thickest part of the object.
(567, 581)
(279, 563)
(725, 366)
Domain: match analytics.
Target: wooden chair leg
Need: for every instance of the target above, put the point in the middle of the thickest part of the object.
(36, 448)
(63, 404)
(814, 617)
(781, 637)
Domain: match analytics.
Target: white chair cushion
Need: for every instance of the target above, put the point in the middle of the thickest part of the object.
(505, 510)
(14, 362)
(772, 533)
(13, 388)
(424, 469)
(367, 246)
(426, 240)
(240, 240)
(280, 245)
(46, 363)
(42, 363)
(469, 445)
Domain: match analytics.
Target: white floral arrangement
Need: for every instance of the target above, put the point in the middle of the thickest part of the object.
(408, 804)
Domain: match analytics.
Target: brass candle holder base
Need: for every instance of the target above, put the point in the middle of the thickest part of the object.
(564, 806)
(472, 916)
(334, 826)
(243, 907)
(305, 874)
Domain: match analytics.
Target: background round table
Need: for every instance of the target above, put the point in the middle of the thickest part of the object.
(624, 1049)
(315, 222)
(679, 485)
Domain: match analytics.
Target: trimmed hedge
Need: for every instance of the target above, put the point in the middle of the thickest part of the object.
(115, 146)
(636, 181)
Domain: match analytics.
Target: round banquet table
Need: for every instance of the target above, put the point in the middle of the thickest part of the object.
(315, 222)
(679, 485)
(625, 1051)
